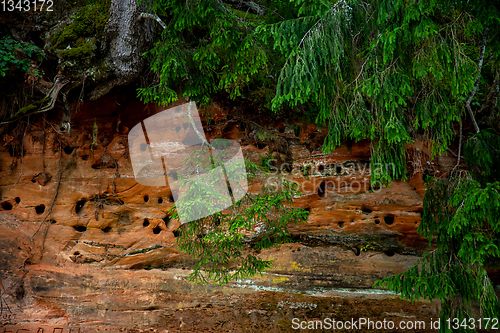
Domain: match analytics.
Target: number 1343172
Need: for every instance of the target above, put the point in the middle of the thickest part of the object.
(26, 5)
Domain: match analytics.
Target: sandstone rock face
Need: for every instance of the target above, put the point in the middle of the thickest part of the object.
(106, 257)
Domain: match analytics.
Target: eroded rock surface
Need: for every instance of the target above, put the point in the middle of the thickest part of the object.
(110, 259)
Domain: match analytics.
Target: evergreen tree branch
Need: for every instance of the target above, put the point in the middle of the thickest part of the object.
(476, 85)
(255, 7)
(459, 145)
(493, 94)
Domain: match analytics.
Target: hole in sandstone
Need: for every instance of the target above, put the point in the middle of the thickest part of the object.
(389, 253)
(281, 130)
(68, 150)
(261, 145)
(76, 253)
(367, 210)
(156, 230)
(107, 229)
(377, 221)
(79, 206)
(17, 199)
(321, 167)
(341, 224)
(338, 169)
(146, 198)
(6, 205)
(389, 220)
(160, 200)
(85, 157)
(176, 233)
(145, 223)
(80, 228)
(166, 219)
(173, 175)
(40, 209)
(321, 189)
(33, 180)
(356, 251)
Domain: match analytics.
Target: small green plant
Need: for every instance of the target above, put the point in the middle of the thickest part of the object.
(428, 179)
(265, 162)
(367, 247)
(14, 54)
(95, 131)
(222, 242)
(307, 170)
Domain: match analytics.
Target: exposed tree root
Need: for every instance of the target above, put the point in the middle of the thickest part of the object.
(59, 175)
(45, 104)
(22, 152)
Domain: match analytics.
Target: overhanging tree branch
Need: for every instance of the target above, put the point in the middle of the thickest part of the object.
(249, 5)
(153, 17)
(476, 85)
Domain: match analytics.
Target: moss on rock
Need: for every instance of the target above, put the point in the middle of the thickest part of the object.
(89, 21)
(83, 50)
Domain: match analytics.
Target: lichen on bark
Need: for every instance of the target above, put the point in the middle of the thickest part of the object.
(128, 37)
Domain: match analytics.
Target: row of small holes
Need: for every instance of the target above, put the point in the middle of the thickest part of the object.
(40, 209)
(387, 219)
(157, 229)
(146, 199)
(8, 206)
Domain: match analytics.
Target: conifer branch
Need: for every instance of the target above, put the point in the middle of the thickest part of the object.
(476, 85)
(493, 94)
(255, 7)
(459, 146)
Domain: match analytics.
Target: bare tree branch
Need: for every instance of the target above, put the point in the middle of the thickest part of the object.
(153, 17)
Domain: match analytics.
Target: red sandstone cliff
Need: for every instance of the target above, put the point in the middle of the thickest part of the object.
(109, 252)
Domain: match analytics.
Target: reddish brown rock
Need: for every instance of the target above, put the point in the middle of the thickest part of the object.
(105, 232)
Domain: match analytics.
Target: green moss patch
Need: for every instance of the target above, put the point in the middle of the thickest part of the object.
(89, 21)
(83, 50)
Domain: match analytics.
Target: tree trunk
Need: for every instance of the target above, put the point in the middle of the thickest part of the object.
(128, 37)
